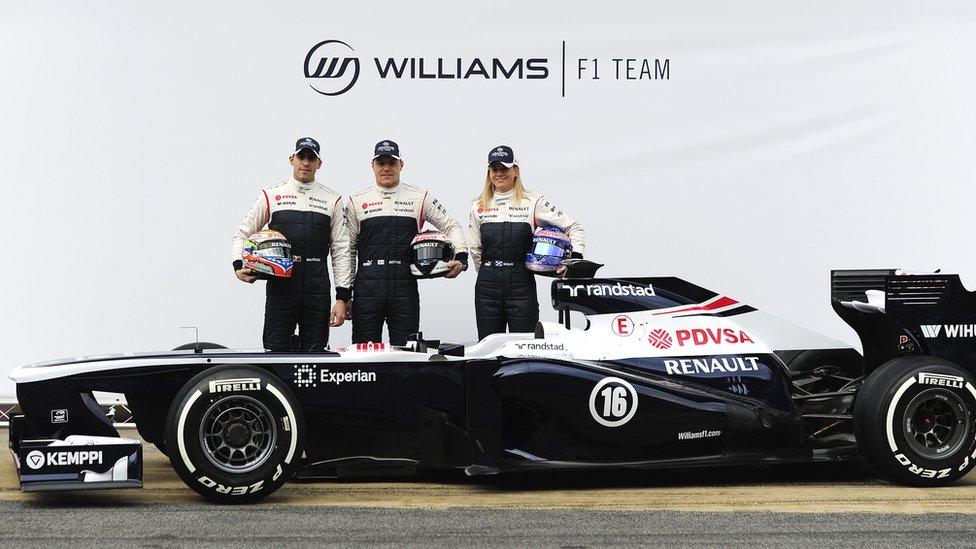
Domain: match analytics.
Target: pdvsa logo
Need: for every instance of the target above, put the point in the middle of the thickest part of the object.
(659, 338)
(329, 68)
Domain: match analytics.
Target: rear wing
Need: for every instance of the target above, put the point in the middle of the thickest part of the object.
(907, 314)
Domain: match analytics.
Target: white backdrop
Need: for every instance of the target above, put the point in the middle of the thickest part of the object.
(788, 139)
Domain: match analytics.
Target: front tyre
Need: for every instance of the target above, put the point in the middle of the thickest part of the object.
(915, 421)
(235, 434)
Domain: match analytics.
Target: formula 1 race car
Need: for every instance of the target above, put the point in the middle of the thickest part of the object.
(660, 373)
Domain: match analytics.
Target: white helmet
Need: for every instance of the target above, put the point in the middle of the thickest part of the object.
(432, 251)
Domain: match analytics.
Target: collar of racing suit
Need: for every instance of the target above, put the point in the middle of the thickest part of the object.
(387, 191)
(505, 195)
(302, 187)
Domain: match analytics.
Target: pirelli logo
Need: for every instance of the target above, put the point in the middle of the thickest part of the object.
(943, 380)
(235, 385)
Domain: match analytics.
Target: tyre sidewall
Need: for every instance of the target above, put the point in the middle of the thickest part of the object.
(882, 423)
(190, 459)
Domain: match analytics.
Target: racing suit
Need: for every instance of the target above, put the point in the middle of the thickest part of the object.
(312, 218)
(382, 223)
(501, 234)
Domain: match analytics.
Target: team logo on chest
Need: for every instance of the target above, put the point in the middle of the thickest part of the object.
(372, 206)
(319, 204)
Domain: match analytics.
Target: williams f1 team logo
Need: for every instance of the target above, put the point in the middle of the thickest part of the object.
(329, 68)
(932, 331)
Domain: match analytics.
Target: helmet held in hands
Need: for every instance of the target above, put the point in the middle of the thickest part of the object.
(432, 251)
(550, 246)
(268, 253)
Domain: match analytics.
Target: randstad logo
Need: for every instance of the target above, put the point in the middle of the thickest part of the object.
(329, 70)
(604, 289)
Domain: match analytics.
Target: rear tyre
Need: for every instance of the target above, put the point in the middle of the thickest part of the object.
(915, 421)
(235, 434)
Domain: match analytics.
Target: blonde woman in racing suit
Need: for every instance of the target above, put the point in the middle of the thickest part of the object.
(503, 220)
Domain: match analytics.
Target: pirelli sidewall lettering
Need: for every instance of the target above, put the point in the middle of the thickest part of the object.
(959, 454)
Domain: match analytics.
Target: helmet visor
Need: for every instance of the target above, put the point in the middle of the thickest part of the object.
(428, 252)
(274, 249)
(546, 248)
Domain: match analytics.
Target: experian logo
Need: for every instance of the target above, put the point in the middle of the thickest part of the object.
(610, 290)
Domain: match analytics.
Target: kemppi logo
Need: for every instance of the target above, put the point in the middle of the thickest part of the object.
(329, 70)
(37, 459)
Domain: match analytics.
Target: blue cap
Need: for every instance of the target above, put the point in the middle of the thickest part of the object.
(386, 148)
(308, 143)
(503, 154)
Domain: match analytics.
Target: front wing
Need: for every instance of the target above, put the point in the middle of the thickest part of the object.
(78, 463)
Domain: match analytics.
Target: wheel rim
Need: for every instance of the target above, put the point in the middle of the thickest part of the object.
(936, 423)
(237, 434)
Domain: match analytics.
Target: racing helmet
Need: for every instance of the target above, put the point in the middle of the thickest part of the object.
(268, 254)
(550, 246)
(432, 250)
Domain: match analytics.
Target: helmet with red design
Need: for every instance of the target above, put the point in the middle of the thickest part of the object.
(267, 253)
